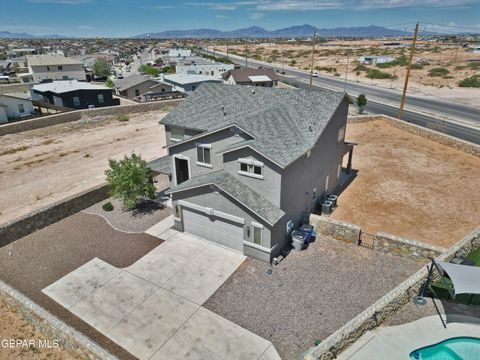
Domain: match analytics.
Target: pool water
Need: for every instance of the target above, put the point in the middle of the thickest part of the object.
(460, 348)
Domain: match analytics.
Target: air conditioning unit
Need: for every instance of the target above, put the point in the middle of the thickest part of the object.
(326, 207)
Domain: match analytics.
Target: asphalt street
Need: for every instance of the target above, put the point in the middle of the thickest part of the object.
(455, 119)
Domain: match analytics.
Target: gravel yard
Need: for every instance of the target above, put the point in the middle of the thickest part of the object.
(409, 186)
(39, 259)
(138, 220)
(310, 294)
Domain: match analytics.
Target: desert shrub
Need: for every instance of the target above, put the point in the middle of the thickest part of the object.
(474, 65)
(361, 67)
(123, 118)
(329, 69)
(107, 206)
(460, 67)
(438, 72)
(378, 74)
(293, 63)
(416, 67)
(472, 81)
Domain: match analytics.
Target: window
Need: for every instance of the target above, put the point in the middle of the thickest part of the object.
(250, 167)
(203, 154)
(101, 100)
(257, 234)
(76, 101)
(48, 68)
(193, 87)
(21, 108)
(341, 134)
(60, 68)
(177, 134)
(137, 92)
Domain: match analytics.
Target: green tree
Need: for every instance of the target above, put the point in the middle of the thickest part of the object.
(109, 83)
(101, 69)
(361, 102)
(130, 180)
(148, 70)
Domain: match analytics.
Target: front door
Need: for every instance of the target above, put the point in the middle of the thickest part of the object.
(181, 170)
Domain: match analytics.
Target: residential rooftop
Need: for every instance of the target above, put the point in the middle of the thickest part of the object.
(183, 79)
(64, 86)
(283, 123)
(131, 81)
(51, 59)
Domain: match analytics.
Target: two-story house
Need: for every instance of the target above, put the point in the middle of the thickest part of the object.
(51, 67)
(248, 164)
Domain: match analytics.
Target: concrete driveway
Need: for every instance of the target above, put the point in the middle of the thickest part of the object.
(153, 308)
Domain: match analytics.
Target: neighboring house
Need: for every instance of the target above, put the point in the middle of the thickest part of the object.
(186, 83)
(179, 52)
(375, 59)
(248, 164)
(134, 86)
(54, 67)
(73, 94)
(14, 106)
(211, 69)
(249, 76)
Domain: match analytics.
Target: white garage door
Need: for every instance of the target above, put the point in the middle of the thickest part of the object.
(213, 228)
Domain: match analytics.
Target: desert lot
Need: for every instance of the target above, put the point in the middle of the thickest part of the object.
(41, 166)
(409, 186)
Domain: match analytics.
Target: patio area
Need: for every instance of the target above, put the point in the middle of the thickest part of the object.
(310, 294)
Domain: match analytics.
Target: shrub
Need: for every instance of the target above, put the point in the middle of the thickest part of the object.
(361, 67)
(130, 180)
(293, 63)
(416, 67)
(378, 74)
(109, 83)
(107, 206)
(474, 65)
(361, 102)
(329, 69)
(472, 81)
(438, 72)
(123, 118)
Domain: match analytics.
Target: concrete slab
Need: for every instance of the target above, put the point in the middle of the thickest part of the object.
(218, 260)
(183, 245)
(158, 266)
(194, 283)
(209, 336)
(113, 301)
(167, 235)
(160, 227)
(270, 354)
(81, 282)
(151, 324)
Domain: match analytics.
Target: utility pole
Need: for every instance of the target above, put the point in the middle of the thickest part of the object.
(313, 57)
(400, 111)
(346, 75)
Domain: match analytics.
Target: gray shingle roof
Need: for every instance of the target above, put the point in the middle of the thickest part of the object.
(238, 190)
(242, 75)
(130, 81)
(285, 123)
(161, 165)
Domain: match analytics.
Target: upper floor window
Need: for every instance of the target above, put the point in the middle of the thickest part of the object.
(177, 134)
(252, 168)
(76, 101)
(341, 134)
(137, 92)
(101, 100)
(21, 108)
(60, 67)
(204, 154)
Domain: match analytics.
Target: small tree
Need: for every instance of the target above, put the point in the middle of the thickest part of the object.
(101, 69)
(361, 102)
(130, 180)
(109, 83)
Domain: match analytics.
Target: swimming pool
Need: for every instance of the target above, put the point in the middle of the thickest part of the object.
(459, 348)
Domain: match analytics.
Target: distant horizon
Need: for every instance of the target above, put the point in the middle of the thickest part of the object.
(127, 18)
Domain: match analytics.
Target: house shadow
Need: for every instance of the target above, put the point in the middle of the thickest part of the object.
(345, 180)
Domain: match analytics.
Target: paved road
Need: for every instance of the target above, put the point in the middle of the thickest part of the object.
(455, 119)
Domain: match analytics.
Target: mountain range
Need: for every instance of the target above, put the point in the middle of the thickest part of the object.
(292, 31)
(12, 35)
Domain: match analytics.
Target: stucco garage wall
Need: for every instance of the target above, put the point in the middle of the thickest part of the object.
(205, 197)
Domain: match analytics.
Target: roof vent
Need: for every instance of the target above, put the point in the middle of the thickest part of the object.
(310, 128)
(223, 111)
(253, 91)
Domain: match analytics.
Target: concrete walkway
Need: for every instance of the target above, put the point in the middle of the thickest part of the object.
(397, 342)
(153, 308)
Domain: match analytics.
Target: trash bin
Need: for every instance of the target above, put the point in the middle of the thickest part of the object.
(333, 199)
(326, 207)
(298, 239)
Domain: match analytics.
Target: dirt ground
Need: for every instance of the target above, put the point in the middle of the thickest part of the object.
(331, 58)
(410, 186)
(13, 327)
(42, 166)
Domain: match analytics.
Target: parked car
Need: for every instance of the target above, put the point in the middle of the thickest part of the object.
(315, 74)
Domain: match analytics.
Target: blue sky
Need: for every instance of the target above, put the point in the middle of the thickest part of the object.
(131, 17)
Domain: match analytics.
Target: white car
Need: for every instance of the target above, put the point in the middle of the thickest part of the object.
(315, 74)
